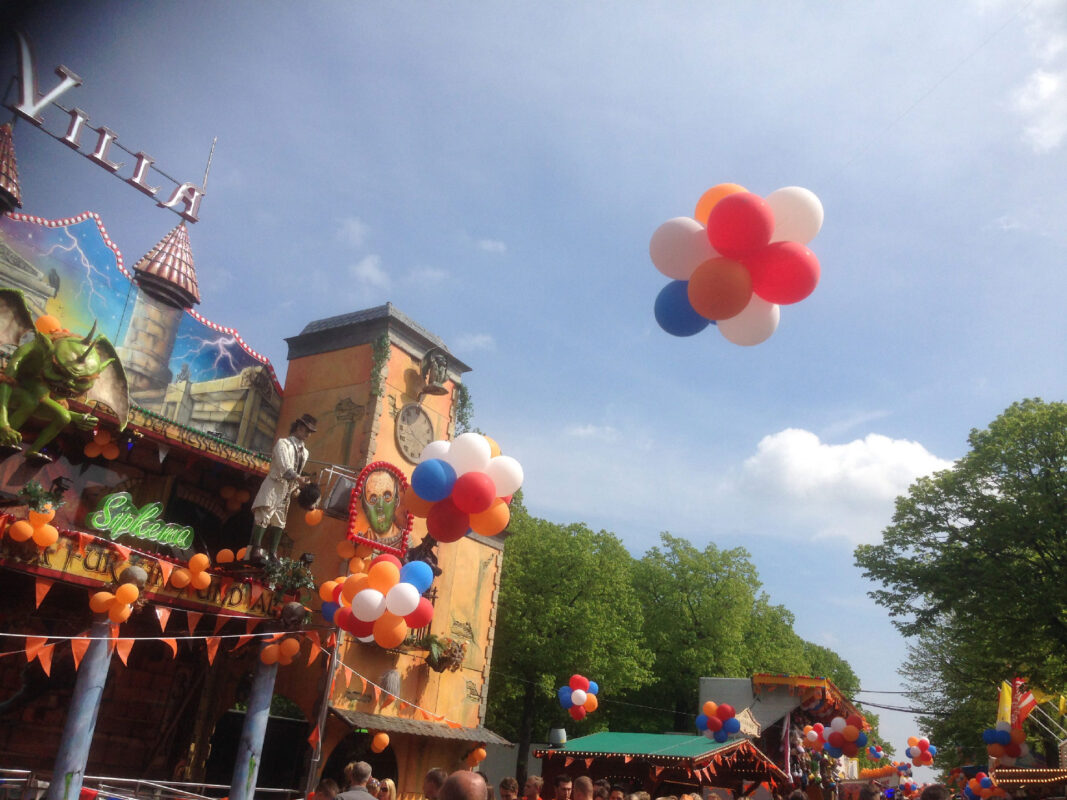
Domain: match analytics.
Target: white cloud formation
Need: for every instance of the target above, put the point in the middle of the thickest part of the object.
(491, 246)
(1042, 99)
(353, 231)
(427, 275)
(369, 271)
(476, 341)
(588, 431)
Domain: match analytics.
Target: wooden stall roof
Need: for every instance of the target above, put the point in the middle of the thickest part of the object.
(820, 696)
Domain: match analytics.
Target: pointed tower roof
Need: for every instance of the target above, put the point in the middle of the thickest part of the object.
(166, 271)
(10, 191)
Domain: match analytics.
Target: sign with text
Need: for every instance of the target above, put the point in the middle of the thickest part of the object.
(118, 516)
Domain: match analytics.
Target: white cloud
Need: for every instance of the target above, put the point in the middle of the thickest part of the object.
(427, 275)
(369, 271)
(476, 341)
(1042, 99)
(353, 231)
(588, 431)
(491, 246)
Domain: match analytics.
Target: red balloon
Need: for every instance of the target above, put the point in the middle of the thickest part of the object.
(714, 724)
(337, 593)
(385, 557)
(855, 720)
(473, 492)
(725, 711)
(783, 273)
(579, 682)
(835, 739)
(720, 288)
(446, 523)
(359, 628)
(817, 727)
(422, 614)
(578, 712)
(924, 744)
(740, 224)
(343, 617)
(1013, 750)
(849, 749)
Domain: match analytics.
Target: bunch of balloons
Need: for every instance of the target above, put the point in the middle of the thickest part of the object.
(234, 497)
(196, 574)
(464, 485)
(844, 736)
(1005, 743)
(875, 752)
(982, 786)
(381, 604)
(737, 261)
(908, 788)
(281, 653)
(718, 721)
(37, 526)
(117, 606)
(103, 444)
(903, 767)
(920, 751)
(579, 696)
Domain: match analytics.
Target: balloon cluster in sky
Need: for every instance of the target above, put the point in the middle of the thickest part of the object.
(1005, 743)
(718, 721)
(920, 751)
(875, 752)
(736, 261)
(982, 786)
(464, 485)
(579, 696)
(844, 736)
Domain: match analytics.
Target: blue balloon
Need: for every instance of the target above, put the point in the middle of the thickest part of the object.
(432, 480)
(418, 574)
(702, 722)
(593, 688)
(674, 313)
(328, 610)
(1004, 738)
(989, 736)
(835, 752)
(732, 725)
(931, 750)
(564, 695)
(721, 735)
(861, 740)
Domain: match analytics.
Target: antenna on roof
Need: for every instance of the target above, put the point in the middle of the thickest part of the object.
(207, 169)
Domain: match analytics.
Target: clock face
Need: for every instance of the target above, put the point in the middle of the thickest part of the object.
(414, 431)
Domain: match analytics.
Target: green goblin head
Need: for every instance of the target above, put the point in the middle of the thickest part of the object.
(380, 501)
(74, 366)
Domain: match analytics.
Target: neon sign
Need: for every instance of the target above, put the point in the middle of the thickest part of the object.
(118, 516)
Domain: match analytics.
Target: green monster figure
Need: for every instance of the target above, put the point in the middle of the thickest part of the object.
(50, 369)
(379, 503)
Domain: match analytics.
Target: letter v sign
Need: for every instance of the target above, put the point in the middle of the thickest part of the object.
(31, 103)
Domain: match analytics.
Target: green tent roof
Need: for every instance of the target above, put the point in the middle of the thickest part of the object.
(665, 745)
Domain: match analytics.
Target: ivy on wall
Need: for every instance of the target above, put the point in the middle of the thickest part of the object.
(380, 354)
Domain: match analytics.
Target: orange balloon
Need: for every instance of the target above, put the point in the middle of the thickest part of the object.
(417, 506)
(591, 702)
(199, 562)
(379, 742)
(710, 708)
(233, 505)
(1018, 736)
(21, 531)
(45, 536)
(241, 553)
(313, 517)
(101, 602)
(494, 448)
(201, 580)
(180, 578)
(289, 647)
(102, 437)
(346, 549)
(224, 556)
(356, 565)
(493, 520)
(46, 323)
(383, 576)
(851, 733)
(477, 755)
(227, 492)
(242, 496)
(712, 196)
(110, 451)
(92, 449)
(39, 518)
(364, 550)
(913, 741)
(390, 630)
(119, 613)
(353, 585)
(326, 591)
(720, 289)
(127, 593)
(996, 750)
(270, 654)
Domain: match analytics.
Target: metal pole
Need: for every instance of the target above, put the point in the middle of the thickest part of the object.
(250, 748)
(69, 770)
(324, 708)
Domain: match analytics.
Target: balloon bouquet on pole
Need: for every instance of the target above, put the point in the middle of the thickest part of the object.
(736, 262)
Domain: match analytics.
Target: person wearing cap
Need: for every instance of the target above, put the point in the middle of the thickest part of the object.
(283, 480)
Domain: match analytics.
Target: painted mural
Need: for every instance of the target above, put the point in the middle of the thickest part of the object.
(181, 366)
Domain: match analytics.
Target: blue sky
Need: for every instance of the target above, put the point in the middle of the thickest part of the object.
(496, 171)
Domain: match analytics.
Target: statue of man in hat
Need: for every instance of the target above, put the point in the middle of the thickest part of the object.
(283, 480)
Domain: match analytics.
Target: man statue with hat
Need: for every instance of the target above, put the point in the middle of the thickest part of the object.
(283, 480)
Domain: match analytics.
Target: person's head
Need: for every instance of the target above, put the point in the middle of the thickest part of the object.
(464, 785)
(936, 791)
(357, 773)
(303, 427)
(508, 789)
(386, 789)
(327, 789)
(532, 788)
(563, 786)
(617, 793)
(583, 788)
(432, 783)
(372, 786)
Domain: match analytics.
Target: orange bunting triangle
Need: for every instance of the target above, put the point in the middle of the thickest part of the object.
(165, 569)
(251, 624)
(348, 677)
(83, 542)
(255, 592)
(377, 693)
(627, 759)
(452, 724)
(42, 587)
(193, 619)
(588, 763)
(315, 650)
(241, 642)
(424, 714)
(163, 615)
(402, 706)
(568, 761)
(77, 649)
(172, 644)
(224, 585)
(123, 648)
(122, 550)
(44, 657)
(658, 770)
(212, 648)
(362, 684)
(332, 641)
(313, 739)
(388, 699)
(219, 622)
(313, 637)
(33, 646)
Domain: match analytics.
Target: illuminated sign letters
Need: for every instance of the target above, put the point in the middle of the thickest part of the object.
(118, 516)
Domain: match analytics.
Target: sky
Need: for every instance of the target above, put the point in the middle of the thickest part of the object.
(496, 171)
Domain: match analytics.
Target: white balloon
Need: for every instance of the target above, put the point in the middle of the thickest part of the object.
(470, 452)
(1006, 761)
(365, 639)
(368, 605)
(812, 736)
(1003, 725)
(753, 325)
(679, 246)
(506, 474)
(838, 724)
(578, 697)
(798, 214)
(436, 449)
(709, 733)
(402, 599)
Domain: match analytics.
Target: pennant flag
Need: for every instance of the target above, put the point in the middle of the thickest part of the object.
(212, 648)
(255, 592)
(1042, 696)
(388, 699)
(44, 656)
(362, 685)
(42, 588)
(122, 550)
(77, 649)
(1063, 705)
(1027, 703)
(193, 618)
(172, 644)
(402, 706)
(163, 615)
(251, 624)
(1004, 704)
(332, 641)
(424, 714)
(313, 637)
(313, 739)
(123, 648)
(241, 642)
(452, 724)
(219, 622)
(588, 763)
(314, 653)
(83, 542)
(658, 770)
(568, 761)
(165, 569)
(33, 646)
(377, 693)
(627, 759)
